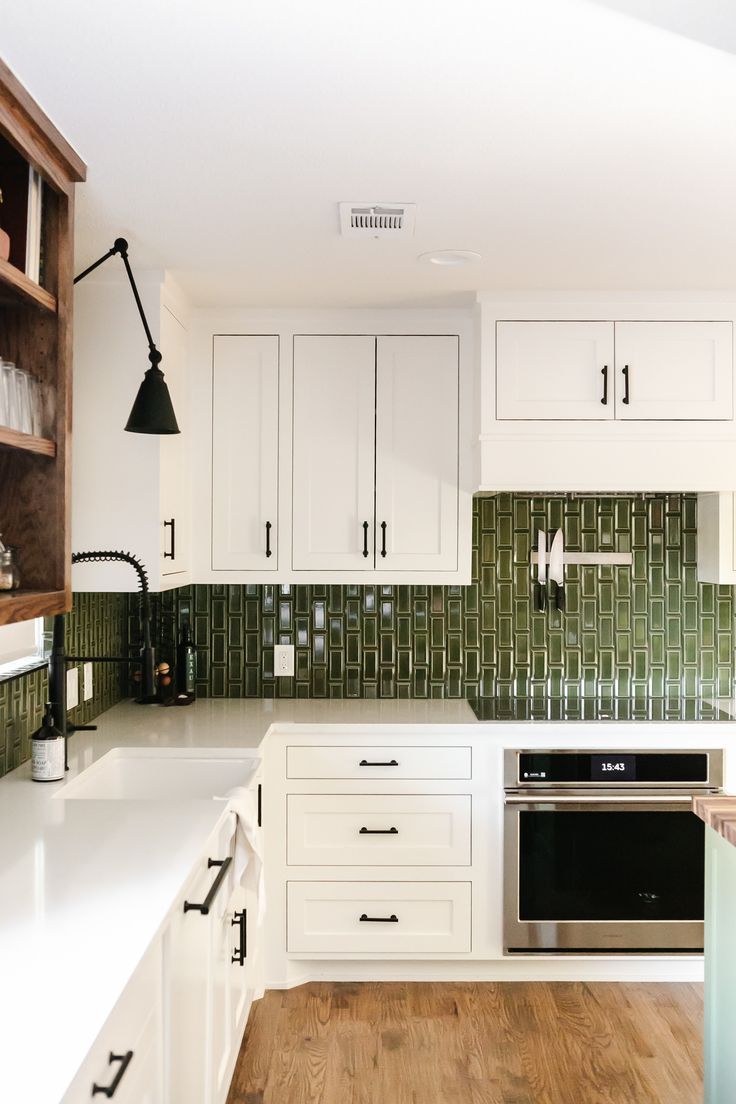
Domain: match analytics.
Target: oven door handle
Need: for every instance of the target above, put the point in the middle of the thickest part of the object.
(600, 799)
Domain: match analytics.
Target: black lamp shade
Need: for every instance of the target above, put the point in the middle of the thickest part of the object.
(153, 411)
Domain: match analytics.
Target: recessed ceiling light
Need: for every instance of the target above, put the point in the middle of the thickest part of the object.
(450, 257)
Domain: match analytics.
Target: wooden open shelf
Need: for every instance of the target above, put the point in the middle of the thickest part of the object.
(13, 438)
(22, 605)
(17, 288)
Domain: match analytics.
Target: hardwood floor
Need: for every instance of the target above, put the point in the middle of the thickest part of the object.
(511, 1043)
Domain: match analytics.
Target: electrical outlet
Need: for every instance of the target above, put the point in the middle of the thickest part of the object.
(88, 683)
(72, 688)
(283, 660)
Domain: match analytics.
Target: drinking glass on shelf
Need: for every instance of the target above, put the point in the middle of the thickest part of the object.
(9, 395)
(21, 380)
(4, 419)
(36, 402)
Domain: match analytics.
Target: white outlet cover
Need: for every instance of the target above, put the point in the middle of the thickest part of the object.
(72, 688)
(283, 660)
(88, 681)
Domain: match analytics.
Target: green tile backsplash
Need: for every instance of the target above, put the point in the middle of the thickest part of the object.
(97, 625)
(646, 630)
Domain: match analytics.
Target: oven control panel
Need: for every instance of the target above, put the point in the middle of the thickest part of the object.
(612, 768)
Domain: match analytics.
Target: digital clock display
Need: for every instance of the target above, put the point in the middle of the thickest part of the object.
(613, 768)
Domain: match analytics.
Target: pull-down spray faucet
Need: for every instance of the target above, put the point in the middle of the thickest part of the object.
(147, 657)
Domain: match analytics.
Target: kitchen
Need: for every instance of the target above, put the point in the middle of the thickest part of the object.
(390, 643)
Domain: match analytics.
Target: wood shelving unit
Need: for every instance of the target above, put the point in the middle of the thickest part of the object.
(36, 334)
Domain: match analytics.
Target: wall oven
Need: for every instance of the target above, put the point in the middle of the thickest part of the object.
(602, 852)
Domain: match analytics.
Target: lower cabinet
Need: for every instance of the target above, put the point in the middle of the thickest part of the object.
(175, 1033)
(125, 1060)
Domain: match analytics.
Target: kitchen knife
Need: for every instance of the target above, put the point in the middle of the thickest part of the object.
(557, 569)
(541, 570)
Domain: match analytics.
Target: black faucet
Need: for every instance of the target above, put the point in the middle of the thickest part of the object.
(58, 658)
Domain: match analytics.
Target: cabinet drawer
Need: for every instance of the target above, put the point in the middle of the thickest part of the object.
(132, 1026)
(388, 917)
(366, 762)
(378, 830)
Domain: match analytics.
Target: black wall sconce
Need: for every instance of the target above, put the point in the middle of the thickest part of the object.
(152, 411)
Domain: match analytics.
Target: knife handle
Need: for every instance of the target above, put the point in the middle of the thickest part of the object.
(560, 598)
(541, 596)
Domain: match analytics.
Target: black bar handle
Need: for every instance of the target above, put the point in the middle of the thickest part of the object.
(268, 539)
(383, 538)
(625, 371)
(392, 919)
(365, 539)
(241, 951)
(205, 906)
(390, 763)
(109, 1090)
(379, 831)
(604, 373)
(260, 805)
(171, 555)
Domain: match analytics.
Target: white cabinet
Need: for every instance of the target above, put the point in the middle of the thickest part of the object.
(674, 371)
(630, 371)
(375, 454)
(129, 490)
(205, 991)
(717, 538)
(126, 1058)
(555, 370)
(245, 452)
(417, 453)
(333, 453)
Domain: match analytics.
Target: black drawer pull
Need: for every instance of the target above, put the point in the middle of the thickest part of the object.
(268, 539)
(241, 951)
(391, 763)
(379, 831)
(172, 554)
(205, 906)
(109, 1090)
(383, 539)
(392, 919)
(625, 371)
(365, 539)
(604, 373)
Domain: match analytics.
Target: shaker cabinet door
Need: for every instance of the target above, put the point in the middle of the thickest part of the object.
(334, 453)
(417, 405)
(561, 371)
(245, 452)
(174, 478)
(674, 371)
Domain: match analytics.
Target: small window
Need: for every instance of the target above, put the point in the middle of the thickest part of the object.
(22, 647)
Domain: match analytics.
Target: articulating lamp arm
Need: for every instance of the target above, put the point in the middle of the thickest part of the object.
(120, 247)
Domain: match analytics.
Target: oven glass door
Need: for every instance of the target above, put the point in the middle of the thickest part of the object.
(610, 864)
(603, 873)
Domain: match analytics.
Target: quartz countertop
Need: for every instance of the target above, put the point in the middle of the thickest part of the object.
(719, 812)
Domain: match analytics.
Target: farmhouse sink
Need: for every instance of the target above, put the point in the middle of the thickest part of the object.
(134, 774)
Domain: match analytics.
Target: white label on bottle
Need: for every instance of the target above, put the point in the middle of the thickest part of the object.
(47, 760)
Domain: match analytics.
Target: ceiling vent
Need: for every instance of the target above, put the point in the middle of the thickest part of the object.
(377, 220)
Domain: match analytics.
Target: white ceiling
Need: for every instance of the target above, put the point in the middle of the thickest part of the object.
(570, 144)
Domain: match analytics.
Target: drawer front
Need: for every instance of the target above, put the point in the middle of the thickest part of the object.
(385, 917)
(368, 762)
(378, 830)
(133, 1025)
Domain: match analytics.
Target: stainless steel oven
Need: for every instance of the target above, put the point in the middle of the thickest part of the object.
(602, 851)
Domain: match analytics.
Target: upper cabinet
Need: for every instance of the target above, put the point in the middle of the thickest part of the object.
(38, 172)
(130, 491)
(375, 454)
(618, 399)
(635, 371)
(245, 452)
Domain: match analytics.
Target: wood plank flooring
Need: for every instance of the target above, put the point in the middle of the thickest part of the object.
(510, 1043)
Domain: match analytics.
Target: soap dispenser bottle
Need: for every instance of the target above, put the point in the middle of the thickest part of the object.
(47, 750)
